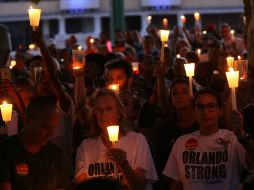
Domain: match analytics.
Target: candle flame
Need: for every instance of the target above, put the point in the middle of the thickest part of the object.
(197, 15)
(204, 32)
(79, 47)
(4, 102)
(149, 17)
(239, 57)
(91, 40)
(31, 7)
(232, 32)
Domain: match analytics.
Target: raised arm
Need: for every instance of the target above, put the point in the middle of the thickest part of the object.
(51, 73)
(162, 90)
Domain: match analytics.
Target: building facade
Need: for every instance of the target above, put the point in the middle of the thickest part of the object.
(61, 18)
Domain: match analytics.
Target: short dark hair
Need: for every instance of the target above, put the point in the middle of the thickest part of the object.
(211, 92)
(120, 64)
(38, 105)
(183, 80)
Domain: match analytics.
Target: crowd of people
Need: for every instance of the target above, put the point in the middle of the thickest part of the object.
(168, 138)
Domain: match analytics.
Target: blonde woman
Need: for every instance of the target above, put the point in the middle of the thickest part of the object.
(96, 157)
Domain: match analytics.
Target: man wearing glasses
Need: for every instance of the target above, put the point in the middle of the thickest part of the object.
(210, 158)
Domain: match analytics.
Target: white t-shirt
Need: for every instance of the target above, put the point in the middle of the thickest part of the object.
(211, 162)
(91, 159)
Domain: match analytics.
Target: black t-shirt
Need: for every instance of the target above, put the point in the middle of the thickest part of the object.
(45, 170)
(167, 137)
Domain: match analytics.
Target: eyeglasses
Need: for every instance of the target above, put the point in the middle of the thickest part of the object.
(210, 107)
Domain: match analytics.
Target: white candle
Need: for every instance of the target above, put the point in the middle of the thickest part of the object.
(34, 17)
(233, 79)
(197, 16)
(6, 111)
(114, 87)
(164, 38)
(31, 46)
(164, 35)
(149, 20)
(12, 64)
(230, 61)
(113, 132)
(189, 69)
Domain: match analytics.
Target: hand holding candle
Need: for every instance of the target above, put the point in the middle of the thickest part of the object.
(197, 18)
(6, 111)
(34, 17)
(113, 132)
(164, 39)
(189, 69)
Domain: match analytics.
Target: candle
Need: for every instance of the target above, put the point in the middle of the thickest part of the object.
(34, 17)
(164, 35)
(189, 69)
(164, 39)
(232, 32)
(241, 66)
(78, 58)
(244, 20)
(165, 23)
(113, 131)
(31, 46)
(233, 79)
(134, 66)
(12, 64)
(183, 19)
(149, 20)
(91, 40)
(230, 61)
(197, 16)
(6, 111)
(198, 52)
(114, 87)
